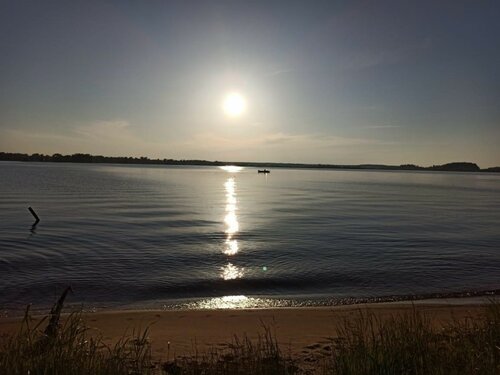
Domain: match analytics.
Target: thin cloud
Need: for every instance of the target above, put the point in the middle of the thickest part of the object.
(279, 72)
(293, 141)
(99, 129)
(118, 137)
(384, 126)
(387, 56)
(115, 137)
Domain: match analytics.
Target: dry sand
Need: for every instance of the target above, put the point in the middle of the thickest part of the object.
(305, 332)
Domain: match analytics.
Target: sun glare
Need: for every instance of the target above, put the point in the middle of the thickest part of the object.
(234, 105)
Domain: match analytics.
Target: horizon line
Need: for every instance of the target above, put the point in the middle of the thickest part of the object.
(18, 156)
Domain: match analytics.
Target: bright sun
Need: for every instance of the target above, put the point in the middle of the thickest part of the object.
(234, 105)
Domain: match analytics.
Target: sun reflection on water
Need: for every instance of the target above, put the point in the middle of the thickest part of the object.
(231, 168)
(235, 302)
(232, 223)
(231, 272)
(231, 220)
(231, 248)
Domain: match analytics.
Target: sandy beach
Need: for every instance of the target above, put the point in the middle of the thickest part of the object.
(305, 332)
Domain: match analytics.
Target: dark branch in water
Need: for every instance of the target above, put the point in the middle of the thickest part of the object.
(37, 219)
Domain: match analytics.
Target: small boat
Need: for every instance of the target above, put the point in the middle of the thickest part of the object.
(264, 171)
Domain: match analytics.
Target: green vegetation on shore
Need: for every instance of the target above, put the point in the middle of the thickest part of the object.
(87, 158)
(404, 344)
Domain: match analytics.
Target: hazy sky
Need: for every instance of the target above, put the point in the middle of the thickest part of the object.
(325, 81)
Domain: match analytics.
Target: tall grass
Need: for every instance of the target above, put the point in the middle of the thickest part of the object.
(72, 350)
(243, 356)
(403, 344)
(410, 344)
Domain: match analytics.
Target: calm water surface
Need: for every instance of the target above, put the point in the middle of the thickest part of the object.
(155, 236)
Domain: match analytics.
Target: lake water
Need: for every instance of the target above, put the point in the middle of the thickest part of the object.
(161, 237)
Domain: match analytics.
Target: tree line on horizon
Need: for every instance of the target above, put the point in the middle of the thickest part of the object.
(88, 158)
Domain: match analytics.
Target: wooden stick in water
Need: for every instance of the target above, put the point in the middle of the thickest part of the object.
(37, 219)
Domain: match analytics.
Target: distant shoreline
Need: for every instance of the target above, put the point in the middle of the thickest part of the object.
(97, 159)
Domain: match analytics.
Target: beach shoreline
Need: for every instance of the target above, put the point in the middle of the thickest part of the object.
(256, 302)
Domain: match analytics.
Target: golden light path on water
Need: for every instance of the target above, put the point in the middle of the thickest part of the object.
(237, 302)
(231, 220)
(230, 271)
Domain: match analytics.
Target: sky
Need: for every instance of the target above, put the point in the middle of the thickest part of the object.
(341, 82)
